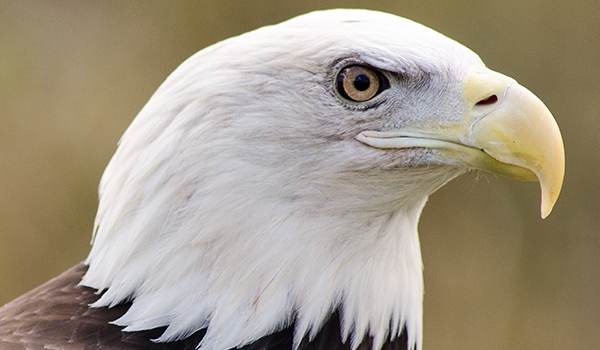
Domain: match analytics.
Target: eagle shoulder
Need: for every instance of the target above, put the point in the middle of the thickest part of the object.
(57, 315)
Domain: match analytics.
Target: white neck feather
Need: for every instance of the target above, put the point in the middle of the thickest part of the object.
(247, 285)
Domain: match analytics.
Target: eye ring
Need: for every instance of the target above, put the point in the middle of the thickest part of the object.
(360, 83)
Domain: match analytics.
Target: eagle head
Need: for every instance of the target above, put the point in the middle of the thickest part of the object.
(278, 176)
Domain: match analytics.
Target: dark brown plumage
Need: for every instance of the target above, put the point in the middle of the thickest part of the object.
(56, 316)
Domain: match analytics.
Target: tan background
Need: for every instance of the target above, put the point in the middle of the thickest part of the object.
(74, 74)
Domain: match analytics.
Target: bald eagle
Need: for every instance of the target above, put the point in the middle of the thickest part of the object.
(268, 194)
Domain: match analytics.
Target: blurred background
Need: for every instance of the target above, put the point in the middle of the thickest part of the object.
(74, 74)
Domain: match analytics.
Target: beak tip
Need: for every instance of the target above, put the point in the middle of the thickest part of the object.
(546, 212)
(549, 198)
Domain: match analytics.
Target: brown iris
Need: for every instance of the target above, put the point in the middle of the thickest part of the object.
(358, 83)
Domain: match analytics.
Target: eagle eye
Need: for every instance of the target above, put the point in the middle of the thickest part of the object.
(360, 83)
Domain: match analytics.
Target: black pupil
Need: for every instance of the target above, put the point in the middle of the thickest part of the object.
(361, 82)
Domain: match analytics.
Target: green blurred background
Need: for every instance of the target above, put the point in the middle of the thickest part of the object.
(74, 74)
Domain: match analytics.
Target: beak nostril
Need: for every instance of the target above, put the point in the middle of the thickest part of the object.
(487, 101)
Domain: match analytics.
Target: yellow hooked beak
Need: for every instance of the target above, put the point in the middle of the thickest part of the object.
(506, 130)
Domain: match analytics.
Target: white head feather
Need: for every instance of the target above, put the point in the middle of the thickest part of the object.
(239, 201)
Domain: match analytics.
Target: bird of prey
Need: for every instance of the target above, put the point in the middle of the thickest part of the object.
(268, 194)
